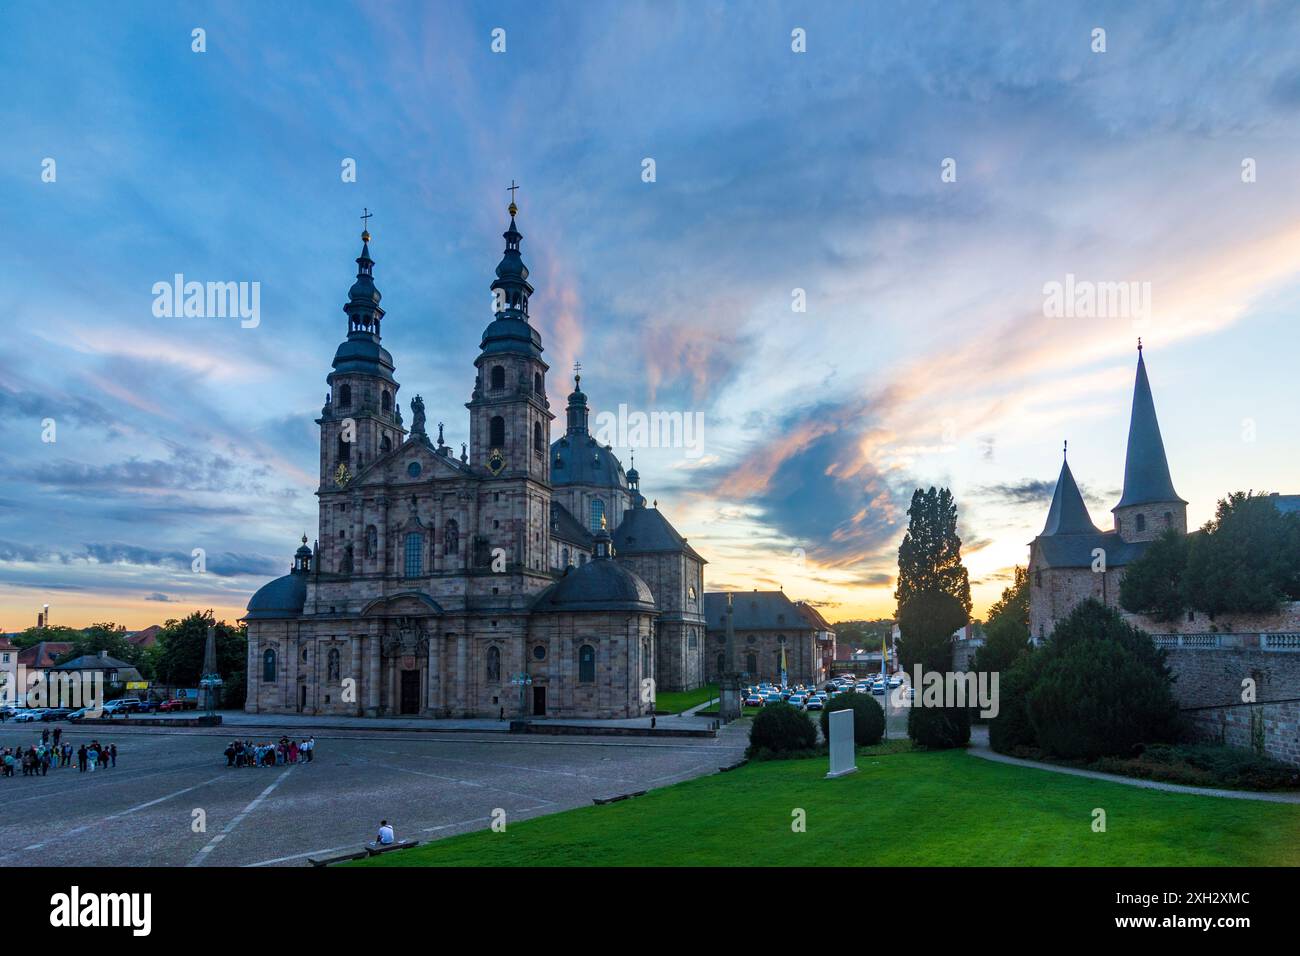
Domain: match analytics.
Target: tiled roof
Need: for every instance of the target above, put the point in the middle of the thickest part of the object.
(755, 610)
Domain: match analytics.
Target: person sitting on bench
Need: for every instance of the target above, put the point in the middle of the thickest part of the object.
(385, 837)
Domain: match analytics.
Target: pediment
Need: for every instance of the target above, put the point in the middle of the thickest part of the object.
(413, 462)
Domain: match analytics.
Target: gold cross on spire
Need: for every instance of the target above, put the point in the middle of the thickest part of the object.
(366, 215)
(511, 189)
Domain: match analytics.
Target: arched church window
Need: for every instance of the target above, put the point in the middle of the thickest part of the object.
(564, 558)
(1169, 519)
(344, 449)
(386, 402)
(497, 432)
(451, 537)
(645, 658)
(722, 663)
(385, 445)
(1141, 523)
(345, 395)
(345, 564)
(751, 663)
(332, 666)
(372, 541)
(498, 378)
(537, 382)
(597, 512)
(494, 665)
(268, 666)
(414, 554)
(586, 664)
(539, 446)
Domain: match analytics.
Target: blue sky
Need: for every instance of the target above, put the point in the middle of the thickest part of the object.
(924, 356)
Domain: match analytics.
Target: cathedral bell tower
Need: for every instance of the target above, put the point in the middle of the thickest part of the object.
(510, 417)
(361, 420)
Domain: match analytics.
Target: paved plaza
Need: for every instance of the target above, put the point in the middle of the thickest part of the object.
(428, 784)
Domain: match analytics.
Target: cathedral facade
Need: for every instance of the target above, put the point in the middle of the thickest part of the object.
(522, 577)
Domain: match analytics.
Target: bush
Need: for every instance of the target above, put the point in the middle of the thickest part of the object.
(1101, 689)
(868, 718)
(781, 729)
(1011, 729)
(1206, 765)
(939, 728)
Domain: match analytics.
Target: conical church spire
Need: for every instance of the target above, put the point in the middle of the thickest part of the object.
(1068, 514)
(1146, 470)
(363, 309)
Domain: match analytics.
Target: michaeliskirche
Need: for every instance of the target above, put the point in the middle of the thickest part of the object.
(520, 575)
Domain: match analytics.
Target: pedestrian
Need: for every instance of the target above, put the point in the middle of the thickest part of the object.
(293, 751)
(112, 753)
(45, 736)
(93, 756)
(385, 837)
(83, 758)
(58, 735)
(311, 749)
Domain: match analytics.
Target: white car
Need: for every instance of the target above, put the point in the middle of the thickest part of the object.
(28, 715)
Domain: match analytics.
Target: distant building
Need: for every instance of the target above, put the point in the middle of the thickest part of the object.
(42, 655)
(767, 623)
(8, 671)
(147, 637)
(117, 673)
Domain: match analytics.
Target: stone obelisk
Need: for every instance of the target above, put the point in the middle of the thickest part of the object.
(730, 702)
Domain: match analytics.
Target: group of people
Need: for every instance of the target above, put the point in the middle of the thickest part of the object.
(245, 753)
(53, 751)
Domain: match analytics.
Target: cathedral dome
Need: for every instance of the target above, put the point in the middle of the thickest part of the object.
(578, 459)
(282, 598)
(599, 585)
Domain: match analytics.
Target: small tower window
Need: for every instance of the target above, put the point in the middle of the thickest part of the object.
(344, 449)
(537, 382)
(497, 432)
(539, 445)
(498, 378)
(345, 395)
(1141, 523)
(597, 512)
(1169, 519)
(387, 401)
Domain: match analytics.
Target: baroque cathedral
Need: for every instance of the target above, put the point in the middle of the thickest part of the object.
(522, 577)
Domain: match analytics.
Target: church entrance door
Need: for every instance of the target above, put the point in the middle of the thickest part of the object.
(539, 701)
(410, 703)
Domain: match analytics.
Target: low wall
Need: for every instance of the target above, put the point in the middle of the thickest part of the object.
(1214, 670)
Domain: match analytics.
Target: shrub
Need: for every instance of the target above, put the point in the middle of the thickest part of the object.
(781, 729)
(868, 718)
(1207, 765)
(939, 728)
(1011, 729)
(1101, 688)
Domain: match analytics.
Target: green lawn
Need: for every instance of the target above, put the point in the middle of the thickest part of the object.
(676, 701)
(900, 809)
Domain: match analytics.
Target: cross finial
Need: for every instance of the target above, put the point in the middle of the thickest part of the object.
(366, 215)
(1139, 343)
(577, 368)
(511, 189)
(1065, 449)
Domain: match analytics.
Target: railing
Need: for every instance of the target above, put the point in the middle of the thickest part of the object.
(1280, 642)
(1188, 640)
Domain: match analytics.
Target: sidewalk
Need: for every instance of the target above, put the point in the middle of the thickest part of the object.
(979, 747)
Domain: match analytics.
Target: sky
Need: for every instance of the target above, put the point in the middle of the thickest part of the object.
(842, 263)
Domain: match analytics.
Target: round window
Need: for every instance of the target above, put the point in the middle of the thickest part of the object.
(413, 469)
(539, 653)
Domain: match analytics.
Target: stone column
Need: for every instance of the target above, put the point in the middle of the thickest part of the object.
(372, 680)
(462, 656)
(433, 675)
(254, 673)
(355, 668)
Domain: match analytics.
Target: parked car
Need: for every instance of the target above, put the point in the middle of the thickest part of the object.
(816, 703)
(178, 703)
(797, 700)
(895, 681)
(30, 714)
(56, 713)
(753, 700)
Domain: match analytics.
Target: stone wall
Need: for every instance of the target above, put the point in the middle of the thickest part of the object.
(1273, 728)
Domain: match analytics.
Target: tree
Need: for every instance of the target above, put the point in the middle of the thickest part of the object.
(929, 559)
(34, 635)
(1155, 583)
(1246, 558)
(181, 645)
(866, 634)
(926, 624)
(1006, 633)
(780, 728)
(1100, 687)
(105, 637)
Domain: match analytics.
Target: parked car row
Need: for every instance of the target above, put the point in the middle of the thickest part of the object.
(122, 706)
(810, 698)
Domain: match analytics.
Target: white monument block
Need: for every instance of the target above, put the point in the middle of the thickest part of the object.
(843, 754)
